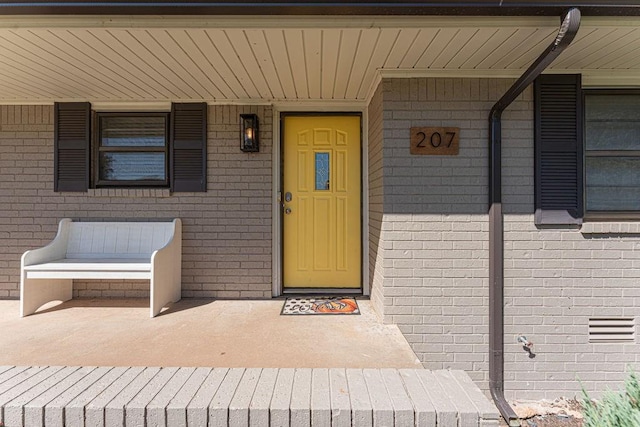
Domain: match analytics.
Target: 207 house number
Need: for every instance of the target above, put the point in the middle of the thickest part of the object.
(435, 141)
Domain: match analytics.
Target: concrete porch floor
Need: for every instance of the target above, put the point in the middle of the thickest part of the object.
(198, 332)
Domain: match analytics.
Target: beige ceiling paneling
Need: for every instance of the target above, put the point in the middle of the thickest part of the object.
(415, 46)
(217, 64)
(596, 42)
(487, 48)
(262, 51)
(313, 61)
(627, 49)
(366, 45)
(385, 39)
(529, 44)
(136, 60)
(28, 53)
(507, 47)
(240, 44)
(476, 42)
(433, 46)
(632, 63)
(349, 44)
(528, 51)
(175, 56)
(22, 90)
(276, 40)
(168, 54)
(401, 47)
(625, 41)
(453, 41)
(23, 74)
(15, 92)
(294, 47)
(141, 59)
(38, 53)
(265, 60)
(222, 41)
(191, 52)
(330, 43)
(98, 53)
(97, 60)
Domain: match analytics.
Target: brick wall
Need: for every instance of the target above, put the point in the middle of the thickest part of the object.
(435, 267)
(435, 223)
(376, 200)
(226, 231)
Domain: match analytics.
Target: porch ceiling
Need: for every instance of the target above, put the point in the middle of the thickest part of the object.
(233, 59)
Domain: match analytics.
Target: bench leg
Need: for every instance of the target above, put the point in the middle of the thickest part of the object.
(34, 293)
(163, 291)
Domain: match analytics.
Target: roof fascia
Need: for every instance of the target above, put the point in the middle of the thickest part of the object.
(326, 7)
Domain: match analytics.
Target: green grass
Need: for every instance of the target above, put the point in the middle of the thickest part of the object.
(615, 409)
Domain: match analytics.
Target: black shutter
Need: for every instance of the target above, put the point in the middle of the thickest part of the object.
(189, 147)
(558, 150)
(72, 141)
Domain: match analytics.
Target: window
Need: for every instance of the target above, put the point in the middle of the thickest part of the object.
(612, 152)
(587, 152)
(131, 149)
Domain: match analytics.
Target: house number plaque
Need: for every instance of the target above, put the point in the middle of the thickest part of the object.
(435, 141)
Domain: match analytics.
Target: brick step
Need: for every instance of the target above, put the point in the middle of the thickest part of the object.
(147, 396)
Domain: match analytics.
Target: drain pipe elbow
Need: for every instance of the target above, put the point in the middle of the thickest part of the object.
(566, 33)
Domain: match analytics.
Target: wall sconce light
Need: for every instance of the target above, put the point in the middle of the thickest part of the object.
(249, 141)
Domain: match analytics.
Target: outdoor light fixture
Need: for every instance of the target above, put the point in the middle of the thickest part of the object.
(249, 133)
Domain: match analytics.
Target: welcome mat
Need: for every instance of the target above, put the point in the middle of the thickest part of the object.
(320, 305)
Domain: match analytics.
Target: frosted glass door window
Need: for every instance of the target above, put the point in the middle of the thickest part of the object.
(322, 171)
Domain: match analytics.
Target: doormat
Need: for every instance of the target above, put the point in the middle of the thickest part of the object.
(320, 305)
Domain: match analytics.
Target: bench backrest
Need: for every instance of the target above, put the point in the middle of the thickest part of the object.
(117, 239)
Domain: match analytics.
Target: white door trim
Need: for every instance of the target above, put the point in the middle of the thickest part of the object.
(276, 249)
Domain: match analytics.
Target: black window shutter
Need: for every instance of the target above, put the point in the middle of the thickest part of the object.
(189, 147)
(558, 150)
(72, 141)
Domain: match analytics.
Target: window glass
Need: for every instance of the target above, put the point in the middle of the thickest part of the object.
(613, 184)
(612, 122)
(133, 131)
(612, 136)
(117, 166)
(132, 150)
(322, 171)
(612, 150)
(612, 107)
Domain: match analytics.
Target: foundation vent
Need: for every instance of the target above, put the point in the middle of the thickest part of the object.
(622, 329)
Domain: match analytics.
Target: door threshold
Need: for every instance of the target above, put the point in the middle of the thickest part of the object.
(321, 291)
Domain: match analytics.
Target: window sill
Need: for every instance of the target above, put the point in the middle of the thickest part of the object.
(632, 227)
(130, 192)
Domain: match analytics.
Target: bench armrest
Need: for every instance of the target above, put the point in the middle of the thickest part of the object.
(176, 239)
(57, 249)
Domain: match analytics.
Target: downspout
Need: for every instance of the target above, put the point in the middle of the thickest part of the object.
(568, 30)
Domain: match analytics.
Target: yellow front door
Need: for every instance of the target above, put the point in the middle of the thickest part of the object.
(321, 202)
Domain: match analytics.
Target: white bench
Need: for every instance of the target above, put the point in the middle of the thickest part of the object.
(104, 250)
